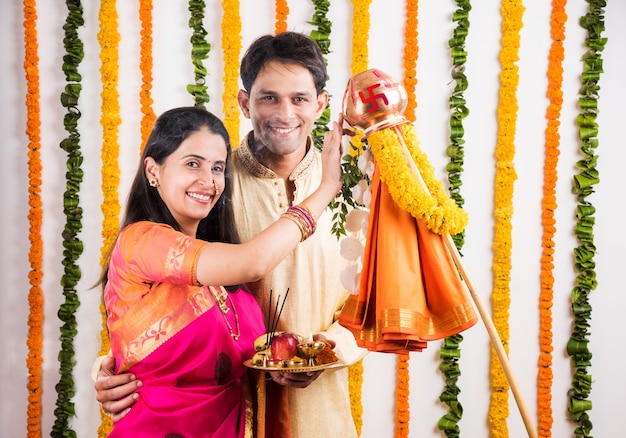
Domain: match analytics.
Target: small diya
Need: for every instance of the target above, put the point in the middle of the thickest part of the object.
(309, 351)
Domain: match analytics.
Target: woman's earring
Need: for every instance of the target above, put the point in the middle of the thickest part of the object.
(154, 182)
(217, 191)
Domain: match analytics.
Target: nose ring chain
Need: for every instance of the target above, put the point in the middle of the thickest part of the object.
(217, 191)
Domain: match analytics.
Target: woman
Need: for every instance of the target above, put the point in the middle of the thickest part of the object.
(171, 321)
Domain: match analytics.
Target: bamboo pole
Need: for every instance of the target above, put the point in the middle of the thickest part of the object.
(487, 321)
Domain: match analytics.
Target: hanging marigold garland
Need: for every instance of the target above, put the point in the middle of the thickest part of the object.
(403, 412)
(34, 341)
(146, 65)
(282, 11)
(199, 51)
(411, 49)
(360, 35)
(359, 60)
(321, 35)
(584, 182)
(548, 204)
(73, 247)
(450, 351)
(109, 39)
(231, 44)
(511, 12)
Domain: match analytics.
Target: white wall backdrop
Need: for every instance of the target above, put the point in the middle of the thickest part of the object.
(172, 71)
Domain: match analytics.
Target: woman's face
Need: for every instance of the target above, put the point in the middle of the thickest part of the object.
(191, 179)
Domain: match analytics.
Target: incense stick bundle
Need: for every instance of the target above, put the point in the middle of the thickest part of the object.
(272, 318)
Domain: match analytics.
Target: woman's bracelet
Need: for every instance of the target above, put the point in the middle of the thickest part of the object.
(302, 216)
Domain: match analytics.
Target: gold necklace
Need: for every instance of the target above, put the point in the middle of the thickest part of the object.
(220, 300)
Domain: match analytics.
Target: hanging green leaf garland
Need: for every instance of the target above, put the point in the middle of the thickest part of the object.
(351, 176)
(321, 35)
(73, 247)
(200, 49)
(584, 181)
(450, 351)
(455, 150)
(351, 173)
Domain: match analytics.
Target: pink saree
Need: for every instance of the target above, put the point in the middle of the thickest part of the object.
(174, 337)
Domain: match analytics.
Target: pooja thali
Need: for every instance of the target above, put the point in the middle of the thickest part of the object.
(294, 367)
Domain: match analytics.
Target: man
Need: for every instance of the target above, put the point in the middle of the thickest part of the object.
(277, 166)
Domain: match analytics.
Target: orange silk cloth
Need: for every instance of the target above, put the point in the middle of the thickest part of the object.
(410, 290)
(151, 293)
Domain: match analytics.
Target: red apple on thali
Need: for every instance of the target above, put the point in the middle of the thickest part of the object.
(284, 346)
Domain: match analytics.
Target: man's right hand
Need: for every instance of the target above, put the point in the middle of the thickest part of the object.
(116, 393)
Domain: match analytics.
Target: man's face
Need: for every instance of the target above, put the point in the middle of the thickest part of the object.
(283, 107)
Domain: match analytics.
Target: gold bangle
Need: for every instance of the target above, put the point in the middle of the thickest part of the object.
(304, 213)
(297, 222)
(308, 210)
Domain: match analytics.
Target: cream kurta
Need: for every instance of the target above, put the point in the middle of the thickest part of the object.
(311, 272)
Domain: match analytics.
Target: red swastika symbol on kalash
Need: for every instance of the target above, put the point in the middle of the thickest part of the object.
(373, 98)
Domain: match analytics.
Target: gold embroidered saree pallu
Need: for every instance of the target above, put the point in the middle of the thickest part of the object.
(410, 290)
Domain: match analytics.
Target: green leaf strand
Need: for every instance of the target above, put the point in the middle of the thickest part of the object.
(579, 404)
(450, 351)
(200, 49)
(321, 35)
(73, 247)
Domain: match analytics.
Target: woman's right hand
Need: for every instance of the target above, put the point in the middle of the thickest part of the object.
(332, 152)
(116, 393)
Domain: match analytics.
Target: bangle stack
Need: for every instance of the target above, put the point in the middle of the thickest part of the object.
(303, 218)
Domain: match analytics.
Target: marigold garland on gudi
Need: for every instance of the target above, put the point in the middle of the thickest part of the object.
(432, 204)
